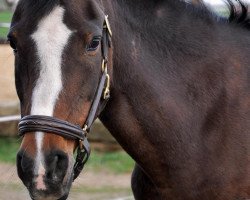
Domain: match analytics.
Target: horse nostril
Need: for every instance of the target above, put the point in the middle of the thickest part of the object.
(24, 162)
(25, 165)
(19, 164)
(57, 163)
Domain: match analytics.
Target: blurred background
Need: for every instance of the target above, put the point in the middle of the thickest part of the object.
(107, 173)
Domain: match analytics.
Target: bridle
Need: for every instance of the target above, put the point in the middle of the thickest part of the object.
(34, 123)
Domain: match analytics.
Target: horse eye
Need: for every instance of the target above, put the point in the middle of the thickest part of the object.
(94, 44)
(12, 45)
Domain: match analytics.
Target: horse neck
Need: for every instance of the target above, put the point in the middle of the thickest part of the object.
(153, 29)
(143, 72)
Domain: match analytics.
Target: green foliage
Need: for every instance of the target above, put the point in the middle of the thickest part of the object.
(106, 189)
(115, 162)
(3, 32)
(4, 17)
(8, 149)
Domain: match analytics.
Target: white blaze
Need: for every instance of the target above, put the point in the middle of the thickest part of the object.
(51, 37)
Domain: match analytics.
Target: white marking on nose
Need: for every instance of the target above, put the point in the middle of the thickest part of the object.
(40, 185)
(51, 37)
(39, 169)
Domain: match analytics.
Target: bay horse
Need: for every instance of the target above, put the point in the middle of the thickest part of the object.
(178, 83)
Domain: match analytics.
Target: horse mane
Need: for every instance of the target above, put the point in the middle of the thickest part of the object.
(237, 16)
(241, 18)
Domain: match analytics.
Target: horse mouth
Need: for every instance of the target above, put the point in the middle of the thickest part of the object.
(64, 197)
(52, 191)
(51, 183)
(43, 195)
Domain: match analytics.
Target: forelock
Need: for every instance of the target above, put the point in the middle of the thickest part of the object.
(33, 9)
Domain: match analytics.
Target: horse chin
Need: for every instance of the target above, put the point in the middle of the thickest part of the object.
(52, 198)
(53, 191)
(64, 197)
(42, 195)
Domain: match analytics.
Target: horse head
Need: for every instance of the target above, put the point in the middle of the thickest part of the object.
(61, 50)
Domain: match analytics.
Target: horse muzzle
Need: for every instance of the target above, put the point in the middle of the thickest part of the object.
(50, 174)
(48, 181)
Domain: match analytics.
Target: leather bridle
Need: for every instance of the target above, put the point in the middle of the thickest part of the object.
(34, 123)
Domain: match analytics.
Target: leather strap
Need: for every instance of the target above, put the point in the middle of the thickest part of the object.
(32, 123)
(93, 113)
(99, 102)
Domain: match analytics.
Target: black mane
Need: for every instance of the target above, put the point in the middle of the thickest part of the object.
(237, 17)
(238, 12)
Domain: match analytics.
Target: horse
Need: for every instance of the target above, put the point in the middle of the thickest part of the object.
(170, 81)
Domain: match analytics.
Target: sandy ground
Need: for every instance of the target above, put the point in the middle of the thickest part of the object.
(89, 186)
(7, 83)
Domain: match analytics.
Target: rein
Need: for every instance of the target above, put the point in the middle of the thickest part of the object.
(33, 123)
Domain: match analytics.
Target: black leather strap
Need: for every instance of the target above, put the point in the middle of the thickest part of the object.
(99, 103)
(96, 103)
(81, 158)
(32, 123)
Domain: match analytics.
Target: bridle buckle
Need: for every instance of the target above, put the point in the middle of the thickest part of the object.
(106, 93)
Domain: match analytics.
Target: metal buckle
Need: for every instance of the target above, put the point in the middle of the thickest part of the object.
(104, 65)
(106, 93)
(107, 25)
(85, 130)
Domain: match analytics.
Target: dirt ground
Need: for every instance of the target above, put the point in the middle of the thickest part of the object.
(7, 83)
(89, 186)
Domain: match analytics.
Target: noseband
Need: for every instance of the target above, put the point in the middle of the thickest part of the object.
(34, 123)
